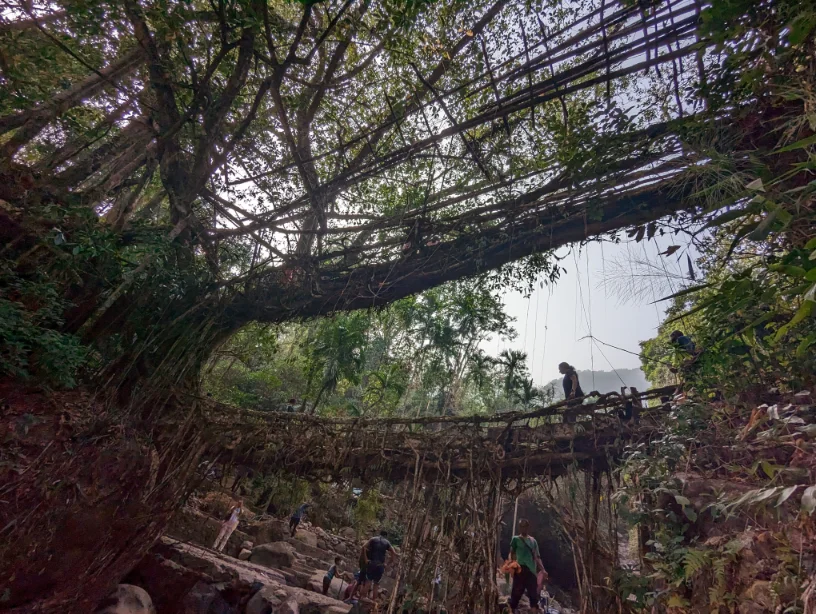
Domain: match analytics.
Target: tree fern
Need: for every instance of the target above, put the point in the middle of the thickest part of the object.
(718, 585)
(694, 561)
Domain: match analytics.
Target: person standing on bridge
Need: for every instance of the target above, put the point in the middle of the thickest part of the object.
(294, 521)
(572, 389)
(524, 550)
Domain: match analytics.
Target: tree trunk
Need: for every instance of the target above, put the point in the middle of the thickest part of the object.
(87, 498)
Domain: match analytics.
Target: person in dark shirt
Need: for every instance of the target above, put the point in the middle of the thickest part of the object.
(290, 406)
(372, 561)
(572, 389)
(683, 342)
(294, 521)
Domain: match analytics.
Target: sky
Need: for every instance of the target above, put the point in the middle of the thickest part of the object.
(553, 320)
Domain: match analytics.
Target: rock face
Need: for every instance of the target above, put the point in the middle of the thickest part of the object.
(247, 545)
(128, 599)
(307, 537)
(228, 586)
(276, 554)
(266, 601)
(168, 581)
(206, 599)
(348, 533)
(265, 531)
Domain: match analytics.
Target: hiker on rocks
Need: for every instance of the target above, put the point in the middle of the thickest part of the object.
(372, 561)
(294, 521)
(290, 406)
(352, 588)
(524, 550)
(327, 579)
(572, 389)
(241, 474)
(229, 525)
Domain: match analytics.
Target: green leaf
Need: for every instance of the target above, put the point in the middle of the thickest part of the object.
(789, 269)
(683, 292)
(809, 499)
(761, 231)
(770, 469)
(801, 144)
(756, 185)
(690, 514)
(811, 244)
(682, 500)
(801, 350)
(801, 27)
(801, 313)
(786, 494)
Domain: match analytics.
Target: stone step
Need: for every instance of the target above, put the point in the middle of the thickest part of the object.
(312, 551)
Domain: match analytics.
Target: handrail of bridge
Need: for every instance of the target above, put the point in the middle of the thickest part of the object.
(602, 401)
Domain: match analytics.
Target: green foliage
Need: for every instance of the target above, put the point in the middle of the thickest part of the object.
(418, 356)
(30, 344)
(366, 512)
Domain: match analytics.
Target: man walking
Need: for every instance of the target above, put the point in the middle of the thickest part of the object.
(524, 550)
(372, 561)
(294, 521)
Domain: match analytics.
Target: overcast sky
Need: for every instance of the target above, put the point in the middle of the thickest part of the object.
(556, 317)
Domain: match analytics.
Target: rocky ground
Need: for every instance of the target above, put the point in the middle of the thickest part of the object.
(261, 571)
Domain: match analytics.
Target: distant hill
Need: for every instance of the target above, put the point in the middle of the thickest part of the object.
(605, 381)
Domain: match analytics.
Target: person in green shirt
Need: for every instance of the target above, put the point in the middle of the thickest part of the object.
(524, 550)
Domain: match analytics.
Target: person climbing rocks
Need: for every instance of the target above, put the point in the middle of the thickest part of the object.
(229, 525)
(294, 521)
(372, 561)
(524, 550)
(332, 571)
(572, 389)
(241, 473)
(290, 406)
(353, 587)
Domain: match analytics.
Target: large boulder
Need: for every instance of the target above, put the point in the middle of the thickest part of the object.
(307, 537)
(206, 599)
(266, 531)
(268, 600)
(244, 554)
(276, 554)
(348, 533)
(166, 581)
(128, 599)
(193, 526)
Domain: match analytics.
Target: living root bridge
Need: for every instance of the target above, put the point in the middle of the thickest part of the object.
(516, 444)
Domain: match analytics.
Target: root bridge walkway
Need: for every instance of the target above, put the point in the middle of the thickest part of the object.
(536, 443)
